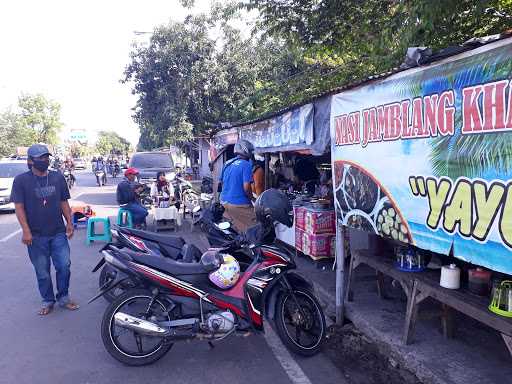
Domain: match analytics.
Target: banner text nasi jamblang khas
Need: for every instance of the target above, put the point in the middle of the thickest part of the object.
(425, 156)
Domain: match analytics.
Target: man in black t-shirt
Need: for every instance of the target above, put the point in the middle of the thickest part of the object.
(41, 199)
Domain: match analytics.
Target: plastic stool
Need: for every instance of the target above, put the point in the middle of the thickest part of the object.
(93, 236)
(124, 218)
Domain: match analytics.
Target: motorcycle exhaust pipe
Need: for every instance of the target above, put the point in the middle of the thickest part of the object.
(141, 326)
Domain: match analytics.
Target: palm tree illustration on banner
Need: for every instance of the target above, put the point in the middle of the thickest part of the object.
(487, 155)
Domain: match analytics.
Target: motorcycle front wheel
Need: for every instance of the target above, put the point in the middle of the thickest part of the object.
(300, 322)
(126, 345)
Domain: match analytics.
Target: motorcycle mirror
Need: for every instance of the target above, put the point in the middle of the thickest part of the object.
(224, 225)
(196, 209)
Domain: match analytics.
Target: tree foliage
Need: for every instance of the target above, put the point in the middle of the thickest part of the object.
(40, 116)
(79, 150)
(36, 120)
(187, 82)
(358, 38)
(111, 143)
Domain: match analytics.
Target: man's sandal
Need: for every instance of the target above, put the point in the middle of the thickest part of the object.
(45, 310)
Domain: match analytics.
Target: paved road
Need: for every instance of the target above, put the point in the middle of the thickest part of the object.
(65, 347)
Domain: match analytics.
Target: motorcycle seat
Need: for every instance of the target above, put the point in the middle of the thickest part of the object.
(191, 254)
(172, 241)
(170, 266)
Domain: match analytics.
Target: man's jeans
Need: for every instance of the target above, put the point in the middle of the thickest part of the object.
(138, 212)
(57, 248)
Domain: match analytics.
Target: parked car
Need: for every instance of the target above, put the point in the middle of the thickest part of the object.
(150, 163)
(80, 163)
(8, 171)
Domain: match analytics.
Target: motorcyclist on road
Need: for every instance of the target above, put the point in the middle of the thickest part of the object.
(57, 163)
(99, 166)
(70, 166)
(116, 168)
(110, 165)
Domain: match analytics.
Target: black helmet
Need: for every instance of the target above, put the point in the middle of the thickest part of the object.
(244, 148)
(273, 205)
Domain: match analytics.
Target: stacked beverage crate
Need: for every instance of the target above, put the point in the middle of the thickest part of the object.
(315, 232)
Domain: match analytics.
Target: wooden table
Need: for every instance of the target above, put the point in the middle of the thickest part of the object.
(421, 285)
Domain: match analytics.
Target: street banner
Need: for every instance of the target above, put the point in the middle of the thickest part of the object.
(425, 156)
(288, 131)
(225, 137)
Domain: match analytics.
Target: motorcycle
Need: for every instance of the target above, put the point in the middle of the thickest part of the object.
(207, 185)
(145, 196)
(101, 177)
(172, 247)
(217, 230)
(186, 193)
(70, 181)
(218, 233)
(115, 170)
(176, 301)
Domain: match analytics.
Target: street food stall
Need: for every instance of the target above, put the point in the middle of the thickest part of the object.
(422, 158)
(221, 151)
(295, 146)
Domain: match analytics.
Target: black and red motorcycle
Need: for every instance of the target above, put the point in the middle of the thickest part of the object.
(177, 301)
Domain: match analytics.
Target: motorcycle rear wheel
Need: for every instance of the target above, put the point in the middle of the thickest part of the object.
(291, 324)
(111, 333)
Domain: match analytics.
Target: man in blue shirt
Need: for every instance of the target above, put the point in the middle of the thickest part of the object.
(236, 180)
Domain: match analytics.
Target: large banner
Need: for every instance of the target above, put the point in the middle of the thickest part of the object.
(425, 156)
(284, 132)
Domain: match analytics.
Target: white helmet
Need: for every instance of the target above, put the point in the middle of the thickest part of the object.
(244, 147)
(226, 269)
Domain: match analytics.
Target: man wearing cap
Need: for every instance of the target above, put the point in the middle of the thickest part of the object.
(41, 199)
(127, 191)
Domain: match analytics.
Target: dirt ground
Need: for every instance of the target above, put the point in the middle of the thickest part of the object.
(360, 360)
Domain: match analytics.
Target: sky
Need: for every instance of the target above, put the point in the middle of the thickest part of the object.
(75, 52)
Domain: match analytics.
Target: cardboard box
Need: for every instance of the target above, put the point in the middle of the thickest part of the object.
(299, 214)
(317, 246)
(315, 222)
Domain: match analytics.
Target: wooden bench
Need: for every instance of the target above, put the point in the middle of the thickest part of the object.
(419, 286)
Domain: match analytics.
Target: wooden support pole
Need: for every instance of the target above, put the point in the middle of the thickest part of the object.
(267, 171)
(508, 342)
(340, 273)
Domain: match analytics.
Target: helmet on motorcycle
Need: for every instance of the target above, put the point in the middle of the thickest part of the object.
(244, 148)
(273, 205)
(224, 269)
